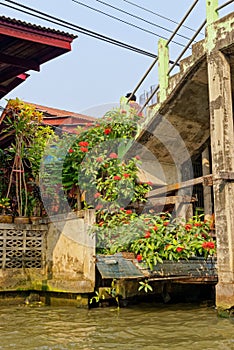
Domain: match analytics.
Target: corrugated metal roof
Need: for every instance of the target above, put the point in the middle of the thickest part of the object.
(24, 47)
(60, 114)
(115, 266)
(24, 24)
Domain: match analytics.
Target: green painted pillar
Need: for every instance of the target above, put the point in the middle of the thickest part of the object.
(211, 17)
(163, 67)
(211, 12)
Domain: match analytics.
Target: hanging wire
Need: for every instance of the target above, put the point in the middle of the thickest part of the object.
(168, 41)
(125, 22)
(140, 18)
(55, 20)
(157, 14)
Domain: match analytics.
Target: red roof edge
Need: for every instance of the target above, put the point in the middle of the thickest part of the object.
(35, 33)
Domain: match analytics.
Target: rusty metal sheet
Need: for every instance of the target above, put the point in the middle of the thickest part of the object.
(115, 266)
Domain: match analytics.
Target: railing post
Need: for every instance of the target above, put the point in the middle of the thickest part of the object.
(211, 16)
(163, 67)
(211, 11)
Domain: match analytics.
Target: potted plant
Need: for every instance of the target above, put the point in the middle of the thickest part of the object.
(5, 210)
(22, 122)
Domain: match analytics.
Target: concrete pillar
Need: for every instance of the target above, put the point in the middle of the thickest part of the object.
(222, 149)
(163, 67)
(206, 189)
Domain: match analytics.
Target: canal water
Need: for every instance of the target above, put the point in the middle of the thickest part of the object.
(141, 327)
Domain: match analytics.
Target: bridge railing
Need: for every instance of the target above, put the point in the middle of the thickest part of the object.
(163, 60)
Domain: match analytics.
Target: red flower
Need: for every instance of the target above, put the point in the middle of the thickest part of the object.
(197, 224)
(99, 159)
(138, 157)
(83, 143)
(117, 177)
(84, 149)
(188, 227)
(140, 114)
(126, 175)
(208, 245)
(121, 208)
(107, 131)
(147, 234)
(70, 150)
(155, 228)
(128, 212)
(166, 223)
(113, 155)
(139, 258)
(97, 195)
(149, 183)
(179, 249)
(99, 206)
(123, 111)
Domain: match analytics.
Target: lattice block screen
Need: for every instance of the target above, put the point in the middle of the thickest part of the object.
(22, 248)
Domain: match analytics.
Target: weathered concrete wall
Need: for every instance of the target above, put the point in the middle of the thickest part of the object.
(71, 262)
(42, 258)
(222, 146)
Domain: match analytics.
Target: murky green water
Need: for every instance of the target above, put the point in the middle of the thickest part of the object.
(134, 328)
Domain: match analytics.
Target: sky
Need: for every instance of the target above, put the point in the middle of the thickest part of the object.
(94, 75)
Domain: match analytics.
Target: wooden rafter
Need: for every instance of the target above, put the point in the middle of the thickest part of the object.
(206, 180)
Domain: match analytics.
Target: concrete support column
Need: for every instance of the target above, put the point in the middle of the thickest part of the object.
(163, 67)
(206, 189)
(222, 149)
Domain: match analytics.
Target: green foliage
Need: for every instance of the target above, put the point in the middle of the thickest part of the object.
(144, 285)
(4, 205)
(97, 164)
(97, 297)
(22, 123)
(153, 238)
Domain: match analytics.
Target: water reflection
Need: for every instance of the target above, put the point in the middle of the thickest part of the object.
(145, 327)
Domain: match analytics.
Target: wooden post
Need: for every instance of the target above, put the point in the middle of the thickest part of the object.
(206, 189)
(163, 67)
(222, 149)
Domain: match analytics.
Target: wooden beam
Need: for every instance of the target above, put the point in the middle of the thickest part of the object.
(205, 180)
(171, 200)
(11, 73)
(226, 175)
(19, 62)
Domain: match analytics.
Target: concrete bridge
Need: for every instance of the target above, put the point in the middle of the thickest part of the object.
(194, 114)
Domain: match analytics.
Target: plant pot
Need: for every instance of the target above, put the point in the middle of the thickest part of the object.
(35, 219)
(128, 255)
(6, 219)
(21, 220)
(80, 213)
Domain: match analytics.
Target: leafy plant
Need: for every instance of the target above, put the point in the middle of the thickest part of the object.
(22, 123)
(4, 205)
(144, 285)
(106, 176)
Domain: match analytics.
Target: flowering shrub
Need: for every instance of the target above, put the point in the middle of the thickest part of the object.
(106, 176)
(154, 238)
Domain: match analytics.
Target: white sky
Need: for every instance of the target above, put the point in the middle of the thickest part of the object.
(95, 73)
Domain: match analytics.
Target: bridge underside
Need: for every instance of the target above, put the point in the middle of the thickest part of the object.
(198, 112)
